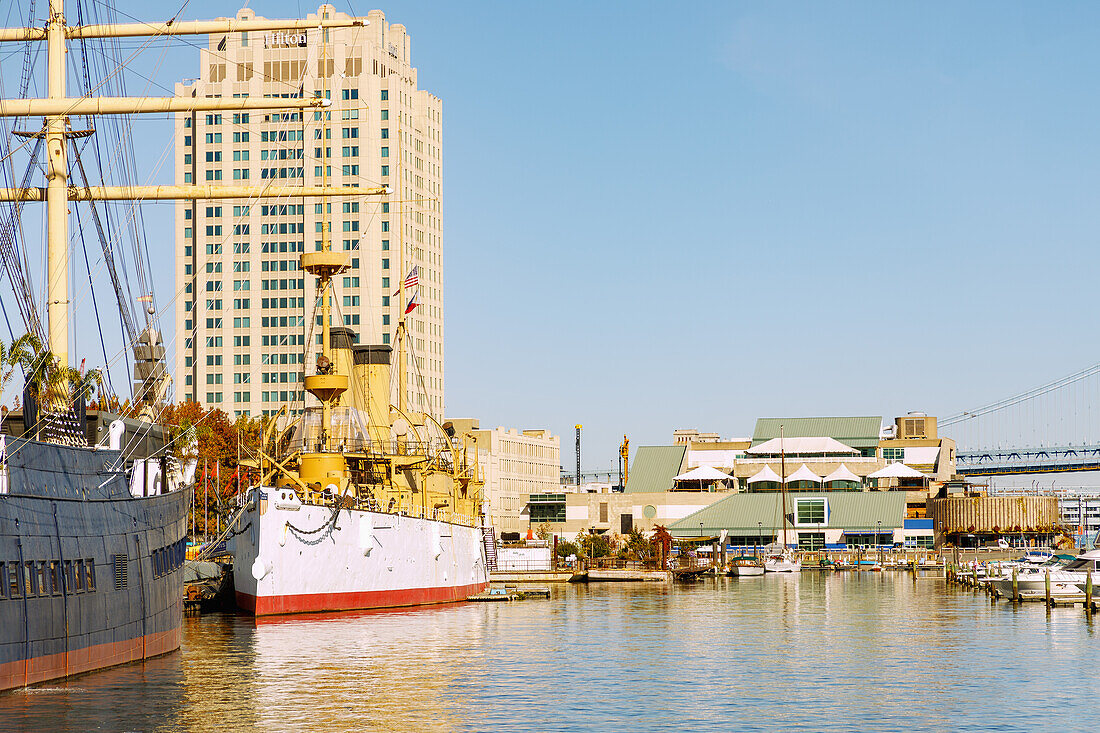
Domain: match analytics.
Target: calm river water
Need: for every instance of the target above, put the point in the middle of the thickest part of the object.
(850, 651)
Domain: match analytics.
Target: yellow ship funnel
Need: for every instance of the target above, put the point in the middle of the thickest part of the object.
(342, 341)
(372, 382)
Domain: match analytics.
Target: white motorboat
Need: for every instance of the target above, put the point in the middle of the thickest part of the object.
(746, 566)
(1063, 578)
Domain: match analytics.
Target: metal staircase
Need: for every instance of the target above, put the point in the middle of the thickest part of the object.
(489, 541)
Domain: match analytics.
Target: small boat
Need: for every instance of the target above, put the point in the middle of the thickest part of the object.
(783, 562)
(745, 566)
(496, 595)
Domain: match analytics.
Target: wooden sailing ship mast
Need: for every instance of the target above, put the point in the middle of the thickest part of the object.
(57, 107)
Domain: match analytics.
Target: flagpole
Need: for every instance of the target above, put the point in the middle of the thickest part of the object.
(402, 332)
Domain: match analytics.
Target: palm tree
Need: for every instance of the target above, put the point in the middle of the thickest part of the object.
(28, 352)
(83, 386)
(662, 539)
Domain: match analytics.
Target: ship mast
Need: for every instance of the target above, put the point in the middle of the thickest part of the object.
(57, 107)
(57, 179)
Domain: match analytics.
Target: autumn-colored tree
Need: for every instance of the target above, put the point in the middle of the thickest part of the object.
(220, 447)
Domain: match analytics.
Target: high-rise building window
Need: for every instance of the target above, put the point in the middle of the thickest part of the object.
(385, 133)
(385, 170)
(385, 95)
(384, 114)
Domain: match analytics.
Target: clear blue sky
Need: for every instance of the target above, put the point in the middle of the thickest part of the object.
(691, 215)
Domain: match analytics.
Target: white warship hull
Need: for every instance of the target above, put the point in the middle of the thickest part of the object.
(296, 558)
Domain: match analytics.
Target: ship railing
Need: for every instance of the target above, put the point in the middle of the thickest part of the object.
(407, 447)
(333, 445)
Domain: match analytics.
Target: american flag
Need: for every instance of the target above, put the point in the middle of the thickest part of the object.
(413, 278)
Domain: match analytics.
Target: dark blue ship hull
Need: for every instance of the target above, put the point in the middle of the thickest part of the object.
(90, 577)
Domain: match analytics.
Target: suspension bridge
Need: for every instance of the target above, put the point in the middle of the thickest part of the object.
(1053, 428)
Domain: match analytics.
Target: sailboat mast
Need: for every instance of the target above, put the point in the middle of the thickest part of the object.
(783, 484)
(57, 184)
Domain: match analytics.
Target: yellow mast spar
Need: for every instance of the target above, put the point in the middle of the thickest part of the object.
(57, 106)
(327, 384)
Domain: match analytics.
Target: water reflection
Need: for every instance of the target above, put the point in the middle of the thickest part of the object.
(869, 651)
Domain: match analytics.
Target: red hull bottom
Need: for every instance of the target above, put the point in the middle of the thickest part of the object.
(355, 601)
(76, 661)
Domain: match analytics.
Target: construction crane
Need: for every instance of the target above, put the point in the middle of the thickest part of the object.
(624, 462)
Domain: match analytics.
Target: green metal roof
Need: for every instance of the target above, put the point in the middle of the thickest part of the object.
(654, 467)
(857, 432)
(739, 513)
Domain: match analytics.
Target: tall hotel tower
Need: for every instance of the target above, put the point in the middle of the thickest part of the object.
(246, 315)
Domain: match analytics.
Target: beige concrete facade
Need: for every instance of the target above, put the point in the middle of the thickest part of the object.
(514, 465)
(642, 511)
(246, 328)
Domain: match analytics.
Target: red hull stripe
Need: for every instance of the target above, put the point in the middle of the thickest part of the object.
(55, 666)
(314, 602)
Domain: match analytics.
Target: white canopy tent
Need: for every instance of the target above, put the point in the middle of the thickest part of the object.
(897, 470)
(801, 446)
(703, 473)
(765, 474)
(804, 474)
(704, 476)
(842, 473)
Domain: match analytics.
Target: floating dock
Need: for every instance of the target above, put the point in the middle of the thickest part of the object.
(509, 593)
(628, 575)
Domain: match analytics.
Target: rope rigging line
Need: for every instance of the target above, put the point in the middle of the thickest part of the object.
(125, 311)
(14, 257)
(95, 306)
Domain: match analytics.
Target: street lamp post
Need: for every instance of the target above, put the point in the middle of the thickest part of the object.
(878, 541)
(759, 530)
